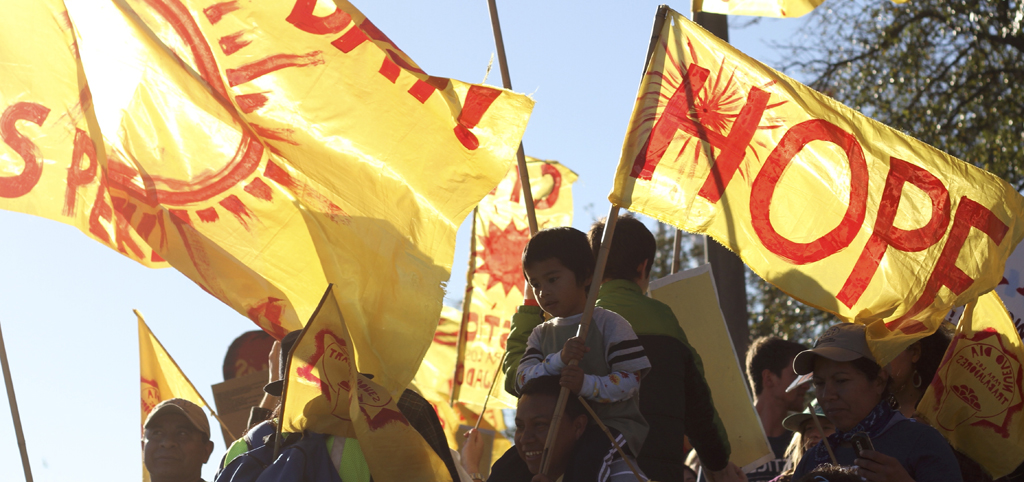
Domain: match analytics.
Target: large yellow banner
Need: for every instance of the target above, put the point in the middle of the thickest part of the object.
(977, 396)
(837, 210)
(160, 377)
(500, 232)
(758, 8)
(262, 149)
(325, 393)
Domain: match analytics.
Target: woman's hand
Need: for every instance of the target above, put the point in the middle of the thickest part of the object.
(878, 467)
(473, 451)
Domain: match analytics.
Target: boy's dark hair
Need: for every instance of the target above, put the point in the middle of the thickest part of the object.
(549, 385)
(568, 245)
(632, 244)
(831, 473)
(769, 352)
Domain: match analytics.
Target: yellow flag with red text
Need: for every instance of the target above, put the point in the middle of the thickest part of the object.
(501, 231)
(325, 393)
(434, 382)
(837, 210)
(977, 395)
(263, 149)
(758, 8)
(159, 377)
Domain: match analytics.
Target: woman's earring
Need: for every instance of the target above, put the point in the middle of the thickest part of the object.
(916, 379)
(893, 402)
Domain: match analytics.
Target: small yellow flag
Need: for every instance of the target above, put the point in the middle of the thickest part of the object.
(837, 210)
(501, 231)
(159, 376)
(325, 393)
(977, 396)
(758, 8)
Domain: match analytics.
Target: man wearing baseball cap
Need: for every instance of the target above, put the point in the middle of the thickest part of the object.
(176, 442)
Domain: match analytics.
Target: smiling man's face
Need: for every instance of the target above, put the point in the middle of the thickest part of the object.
(174, 449)
(533, 420)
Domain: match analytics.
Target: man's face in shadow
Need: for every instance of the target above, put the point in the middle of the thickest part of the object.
(533, 420)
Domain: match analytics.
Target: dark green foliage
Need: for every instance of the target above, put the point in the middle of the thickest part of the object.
(948, 72)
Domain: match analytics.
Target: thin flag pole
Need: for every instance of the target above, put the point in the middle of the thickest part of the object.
(817, 425)
(602, 259)
(208, 406)
(611, 437)
(677, 248)
(588, 314)
(467, 305)
(14, 410)
(494, 380)
(506, 81)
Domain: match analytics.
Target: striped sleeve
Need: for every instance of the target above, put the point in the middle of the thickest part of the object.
(623, 350)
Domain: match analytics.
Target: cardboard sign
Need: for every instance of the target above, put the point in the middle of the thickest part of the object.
(235, 397)
(693, 298)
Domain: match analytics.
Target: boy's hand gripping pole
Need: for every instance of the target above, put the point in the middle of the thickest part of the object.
(595, 283)
(588, 313)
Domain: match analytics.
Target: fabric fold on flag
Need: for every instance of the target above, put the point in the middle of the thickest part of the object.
(262, 149)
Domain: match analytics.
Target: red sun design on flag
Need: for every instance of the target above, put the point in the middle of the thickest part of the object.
(502, 256)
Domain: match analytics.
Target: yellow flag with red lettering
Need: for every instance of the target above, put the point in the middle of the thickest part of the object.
(837, 210)
(500, 232)
(977, 395)
(758, 8)
(325, 393)
(434, 382)
(263, 149)
(160, 377)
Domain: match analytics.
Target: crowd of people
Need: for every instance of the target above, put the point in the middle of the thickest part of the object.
(637, 387)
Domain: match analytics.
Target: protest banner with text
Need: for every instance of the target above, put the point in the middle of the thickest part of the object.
(837, 210)
(501, 231)
(262, 149)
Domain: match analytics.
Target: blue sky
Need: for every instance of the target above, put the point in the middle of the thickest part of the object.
(66, 301)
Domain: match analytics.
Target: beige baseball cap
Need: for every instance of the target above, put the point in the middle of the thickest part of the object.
(843, 342)
(190, 410)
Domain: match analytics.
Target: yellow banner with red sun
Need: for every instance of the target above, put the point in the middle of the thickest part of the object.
(500, 232)
(837, 210)
(977, 396)
(262, 149)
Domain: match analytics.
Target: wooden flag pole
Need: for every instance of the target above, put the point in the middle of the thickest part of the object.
(817, 425)
(506, 81)
(677, 248)
(467, 304)
(494, 380)
(208, 406)
(588, 314)
(14, 410)
(602, 260)
(611, 437)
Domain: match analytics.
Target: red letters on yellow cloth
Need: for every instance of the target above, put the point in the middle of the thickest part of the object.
(837, 210)
(977, 397)
(263, 149)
